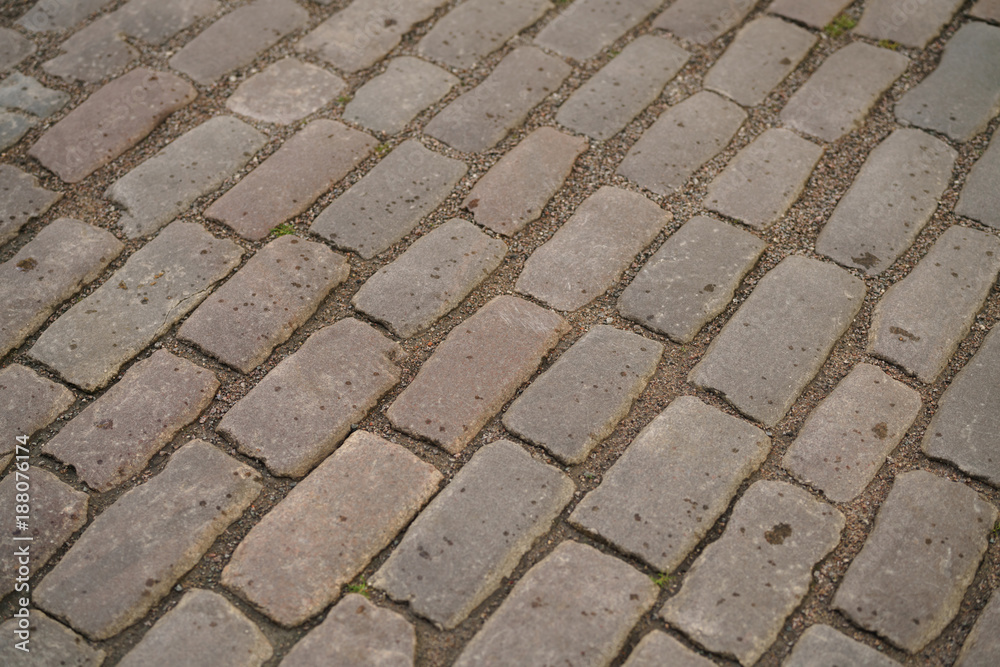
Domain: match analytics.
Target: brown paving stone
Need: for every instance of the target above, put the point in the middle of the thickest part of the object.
(980, 198)
(702, 21)
(49, 643)
(982, 646)
(821, 645)
(21, 199)
(988, 10)
(155, 21)
(92, 54)
(814, 13)
(28, 403)
(909, 24)
(477, 28)
(658, 649)
(389, 101)
(285, 92)
(586, 27)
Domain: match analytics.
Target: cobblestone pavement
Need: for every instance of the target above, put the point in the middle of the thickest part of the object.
(500, 332)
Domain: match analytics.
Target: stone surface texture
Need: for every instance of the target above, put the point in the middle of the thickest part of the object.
(588, 26)
(814, 13)
(702, 21)
(51, 643)
(391, 100)
(28, 403)
(912, 25)
(658, 648)
(822, 645)
(982, 646)
(980, 199)
(21, 201)
(287, 91)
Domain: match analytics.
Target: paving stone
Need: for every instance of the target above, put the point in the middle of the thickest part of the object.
(684, 138)
(845, 440)
(516, 189)
(475, 371)
(265, 302)
(359, 634)
(592, 249)
(920, 321)
(27, 94)
(822, 646)
(762, 182)
(287, 91)
(737, 594)
(891, 200)
(836, 98)
(329, 384)
(477, 28)
(389, 101)
(204, 629)
(658, 648)
(606, 103)
(21, 199)
(982, 646)
(579, 401)
(980, 199)
(702, 21)
(158, 285)
(13, 49)
(691, 278)
(92, 54)
(814, 13)
(910, 24)
(474, 533)
(294, 562)
(677, 477)
(110, 121)
(62, 258)
(53, 15)
(587, 27)
(389, 201)
(195, 164)
(965, 429)
(136, 550)
(13, 126)
(988, 10)
(762, 54)
(237, 38)
(51, 643)
(780, 337)
(155, 21)
(288, 182)
(577, 606)
(357, 37)
(28, 403)
(941, 527)
(431, 278)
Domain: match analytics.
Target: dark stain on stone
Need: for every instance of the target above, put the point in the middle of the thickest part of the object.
(903, 332)
(866, 260)
(106, 424)
(778, 534)
(27, 264)
(881, 430)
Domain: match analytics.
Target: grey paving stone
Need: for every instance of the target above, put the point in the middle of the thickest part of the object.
(93, 54)
(356, 633)
(676, 478)
(203, 630)
(516, 189)
(475, 370)
(737, 594)
(110, 121)
(592, 249)
(13, 49)
(477, 28)
(702, 21)
(965, 429)
(780, 337)
(474, 533)
(28, 403)
(389, 101)
(136, 550)
(836, 98)
(822, 646)
(910, 24)
(845, 440)
(814, 13)
(658, 648)
(606, 103)
(587, 27)
(579, 401)
(27, 94)
(940, 527)
(158, 285)
(431, 278)
(763, 53)
(288, 182)
(285, 92)
(389, 201)
(155, 21)
(988, 10)
(50, 643)
(684, 138)
(13, 126)
(330, 383)
(762, 182)
(265, 302)
(194, 164)
(21, 199)
(66, 255)
(54, 15)
(294, 562)
(920, 321)
(576, 606)
(891, 200)
(480, 118)
(235, 40)
(982, 646)
(980, 199)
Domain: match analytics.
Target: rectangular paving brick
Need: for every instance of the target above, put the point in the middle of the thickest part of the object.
(814, 13)
(822, 645)
(136, 550)
(51, 643)
(940, 527)
(13, 126)
(66, 255)
(587, 27)
(474, 533)
(28, 403)
(14, 48)
(298, 414)
(475, 370)
(287, 91)
(389, 201)
(27, 94)
(980, 199)
(431, 278)
(93, 54)
(580, 399)
(22, 200)
(389, 101)
(155, 21)
(780, 337)
(265, 302)
(681, 140)
(982, 645)
(845, 440)
(988, 10)
(658, 648)
(52, 15)
(293, 563)
(592, 250)
(909, 24)
(702, 21)
(677, 477)
(109, 122)
(477, 28)
(920, 321)
(480, 118)
(737, 594)
(156, 287)
(620, 90)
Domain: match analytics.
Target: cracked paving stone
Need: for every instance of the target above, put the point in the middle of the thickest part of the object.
(703, 21)
(658, 649)
(389, 101)
(28, 403)
(909, 24)
(477, 28)
(21, 199)
(982, 646)
(14, 48)
(988, 10)
(93, 54)
(27, 94)
(587, 27)
(13, 126)
(822, 645)
(55, 15)
(980, 199)
(287, 91)
(814, 13)
(51, 643)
